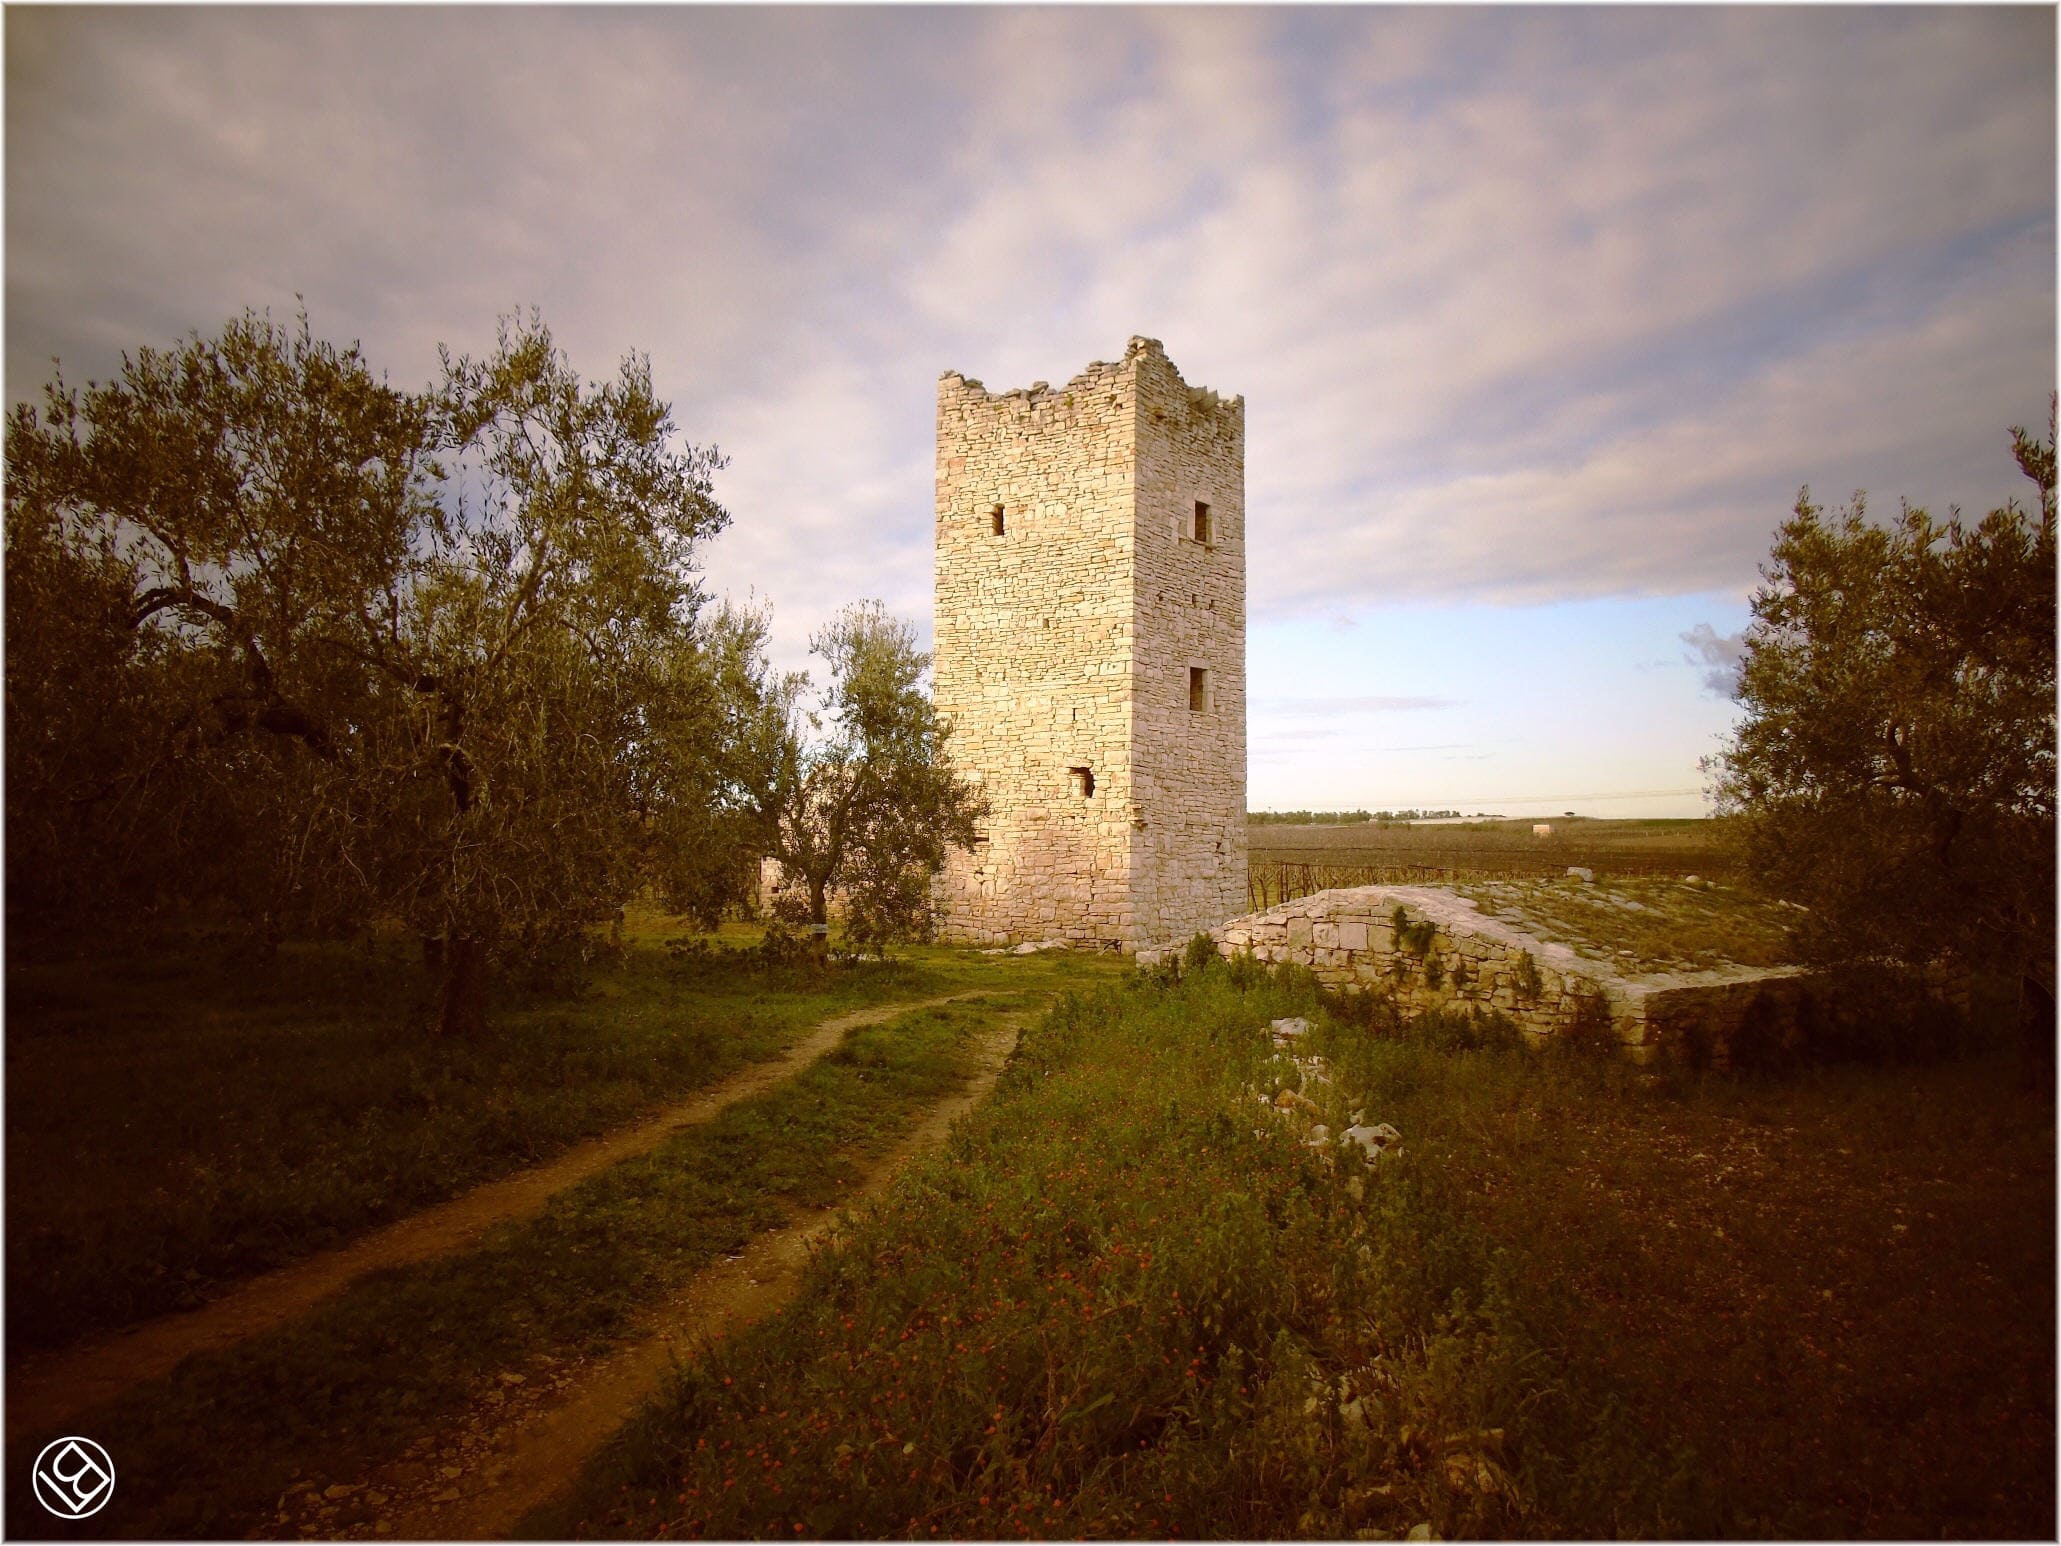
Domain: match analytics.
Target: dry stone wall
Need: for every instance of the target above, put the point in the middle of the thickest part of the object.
(1430, 949)
(1076, 596)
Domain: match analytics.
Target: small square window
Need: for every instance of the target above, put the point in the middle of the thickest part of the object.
(1198, 689)
(995, 518)
(1083, 781)
(1202, 532)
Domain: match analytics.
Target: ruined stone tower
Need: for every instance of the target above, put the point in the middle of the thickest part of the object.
(1091, 652)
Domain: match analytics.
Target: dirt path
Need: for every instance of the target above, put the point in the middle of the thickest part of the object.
(43, 1395)
(527, 1439)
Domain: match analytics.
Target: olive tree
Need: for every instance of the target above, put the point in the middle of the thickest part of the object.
(703, 808)
(429, 640)
(187, 546)
(859, 795)
(1894, 772)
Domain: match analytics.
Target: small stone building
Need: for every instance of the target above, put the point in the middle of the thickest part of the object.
(1090, 652)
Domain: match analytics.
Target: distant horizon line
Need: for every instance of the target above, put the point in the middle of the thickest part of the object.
(1446, 821)
(1535, 799)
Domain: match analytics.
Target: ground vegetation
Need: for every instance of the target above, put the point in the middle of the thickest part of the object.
(1573, 1299)
(208, 1450)
(245, 1116)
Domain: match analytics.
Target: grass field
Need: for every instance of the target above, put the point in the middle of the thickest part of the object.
(178, 1121)
(1577, 840)
(1578, 1301)
(205, 1452)
(1288, 861)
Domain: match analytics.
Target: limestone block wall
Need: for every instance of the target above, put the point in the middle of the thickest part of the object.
(1113, 818)
(1189, 814)
(1448, 955)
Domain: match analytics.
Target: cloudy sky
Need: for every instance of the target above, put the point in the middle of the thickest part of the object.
(1541, 316)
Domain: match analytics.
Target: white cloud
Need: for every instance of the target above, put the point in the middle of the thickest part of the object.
(1720, 655)
(1525, 305)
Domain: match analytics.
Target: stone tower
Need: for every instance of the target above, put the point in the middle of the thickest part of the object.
(1091, 652)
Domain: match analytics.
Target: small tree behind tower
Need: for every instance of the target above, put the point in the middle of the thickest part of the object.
(860, 796)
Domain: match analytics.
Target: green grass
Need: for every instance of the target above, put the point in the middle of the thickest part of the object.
(176, 1121)
(1581, 1300)
(205, 1452)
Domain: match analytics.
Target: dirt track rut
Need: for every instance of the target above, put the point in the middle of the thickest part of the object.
(524, 1446)
(43, 1395)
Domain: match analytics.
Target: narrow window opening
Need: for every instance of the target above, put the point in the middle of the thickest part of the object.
(1201, 521)
(1083, 781)
(1198, 689)
(995, 517)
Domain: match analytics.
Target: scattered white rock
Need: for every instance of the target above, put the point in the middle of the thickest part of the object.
(1319, 1138)
(1577, 872)
(1311, 1071)
(1285, 1031)
(1025, 949)
(1372, 1140)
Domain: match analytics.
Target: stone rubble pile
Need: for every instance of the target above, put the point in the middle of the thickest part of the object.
(1305, 1089)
